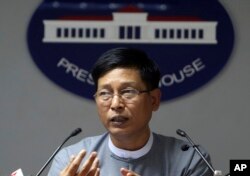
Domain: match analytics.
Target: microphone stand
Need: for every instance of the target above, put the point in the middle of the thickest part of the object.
(74, 133)
(184, 134)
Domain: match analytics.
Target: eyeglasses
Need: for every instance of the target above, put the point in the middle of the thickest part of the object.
(128, 95)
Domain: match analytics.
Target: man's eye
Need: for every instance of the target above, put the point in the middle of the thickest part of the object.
(128, 91)
(104, 93)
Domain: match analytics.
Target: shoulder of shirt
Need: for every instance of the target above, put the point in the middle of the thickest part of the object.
(175, 144)
(88, 143)
(169, 140)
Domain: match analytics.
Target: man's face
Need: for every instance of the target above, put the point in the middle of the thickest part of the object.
(126, 118)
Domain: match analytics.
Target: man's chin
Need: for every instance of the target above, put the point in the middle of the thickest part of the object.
(119, 132)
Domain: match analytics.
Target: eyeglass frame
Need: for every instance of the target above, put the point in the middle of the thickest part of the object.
(120, 95)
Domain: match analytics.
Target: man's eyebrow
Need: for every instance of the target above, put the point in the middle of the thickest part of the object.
(104, 86)
(129, 83)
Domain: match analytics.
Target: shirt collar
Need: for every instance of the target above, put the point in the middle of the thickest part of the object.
(131, 154)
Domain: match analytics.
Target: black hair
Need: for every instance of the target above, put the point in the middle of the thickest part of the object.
(128, 58)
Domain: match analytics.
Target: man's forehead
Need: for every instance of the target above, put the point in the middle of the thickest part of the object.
(120, 83)
(121, 76)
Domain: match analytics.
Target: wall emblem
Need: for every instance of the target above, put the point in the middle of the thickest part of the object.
(191, 43)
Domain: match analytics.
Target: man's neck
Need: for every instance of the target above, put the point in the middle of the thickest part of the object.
(131, 142)
(133, 154)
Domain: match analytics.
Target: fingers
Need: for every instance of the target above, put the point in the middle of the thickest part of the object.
(126, 172)
(94, 170)
(67, 168)
(90, 167)
(74, 164)
(97, 172)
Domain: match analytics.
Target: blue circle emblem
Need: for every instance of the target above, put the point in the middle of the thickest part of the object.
(191, 42)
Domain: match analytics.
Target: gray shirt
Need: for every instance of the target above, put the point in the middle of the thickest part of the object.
(165, 158)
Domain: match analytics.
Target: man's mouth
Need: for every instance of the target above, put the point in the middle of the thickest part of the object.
(118, 120)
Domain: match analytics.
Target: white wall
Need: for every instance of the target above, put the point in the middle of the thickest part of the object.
(36, 114)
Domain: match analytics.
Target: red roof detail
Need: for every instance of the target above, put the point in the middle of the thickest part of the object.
(130, 8)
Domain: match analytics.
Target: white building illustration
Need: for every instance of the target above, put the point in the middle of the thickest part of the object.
(130, 28)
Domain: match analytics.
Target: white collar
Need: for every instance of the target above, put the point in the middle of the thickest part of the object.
(131, 154)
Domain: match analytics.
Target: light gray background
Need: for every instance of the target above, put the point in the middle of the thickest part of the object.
(36, 115)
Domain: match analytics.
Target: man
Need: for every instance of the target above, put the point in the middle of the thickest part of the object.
(126, 95)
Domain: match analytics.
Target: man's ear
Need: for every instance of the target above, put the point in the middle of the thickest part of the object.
(156, 98)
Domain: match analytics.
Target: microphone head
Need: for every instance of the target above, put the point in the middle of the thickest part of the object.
(181, 132)
(76, 132)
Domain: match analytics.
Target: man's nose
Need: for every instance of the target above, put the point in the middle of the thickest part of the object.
(117, 102)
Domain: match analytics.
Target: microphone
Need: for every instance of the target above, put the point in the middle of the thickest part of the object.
(184, 134)
(74, 133)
